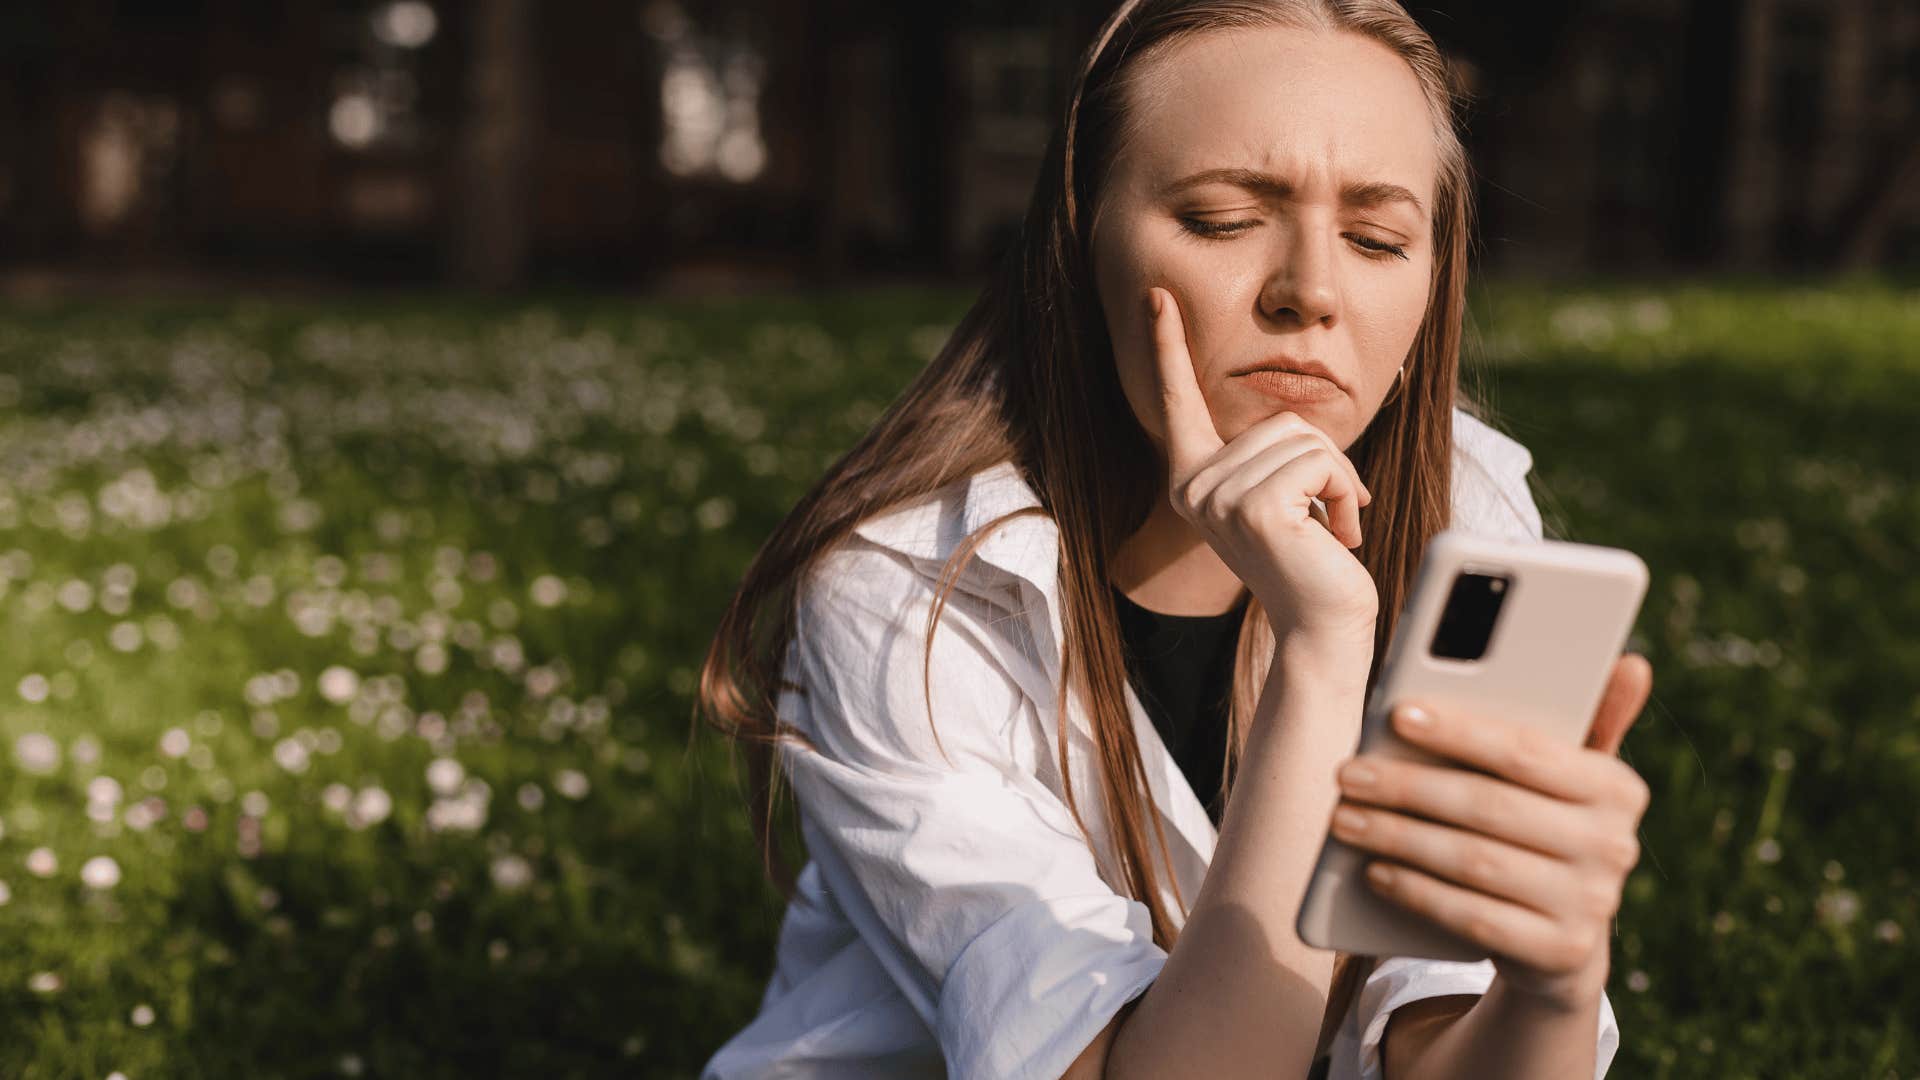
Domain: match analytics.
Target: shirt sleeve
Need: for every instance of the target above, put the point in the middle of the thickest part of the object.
(1398, 980)
(964, 873)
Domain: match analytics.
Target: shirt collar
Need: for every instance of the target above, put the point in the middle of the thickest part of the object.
(1025, 553)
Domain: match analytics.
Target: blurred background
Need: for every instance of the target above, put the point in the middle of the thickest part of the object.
(504, 143)
(391, 394)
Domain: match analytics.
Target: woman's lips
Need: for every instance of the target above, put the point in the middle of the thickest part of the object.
(1291, 385)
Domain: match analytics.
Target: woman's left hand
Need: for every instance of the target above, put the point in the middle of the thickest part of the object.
(1529, 862)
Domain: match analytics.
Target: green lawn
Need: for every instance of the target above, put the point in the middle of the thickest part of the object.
(348, 646)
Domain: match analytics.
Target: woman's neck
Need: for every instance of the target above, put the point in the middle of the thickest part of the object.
(1168, 567)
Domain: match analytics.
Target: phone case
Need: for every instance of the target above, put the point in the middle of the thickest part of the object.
(1562, 623)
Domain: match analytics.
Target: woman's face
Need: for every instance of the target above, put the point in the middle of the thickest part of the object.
(1303, 153)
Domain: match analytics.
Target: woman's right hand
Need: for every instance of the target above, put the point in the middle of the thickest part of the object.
(1252, 500)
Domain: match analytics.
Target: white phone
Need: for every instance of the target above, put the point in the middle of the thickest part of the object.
(1525, 631)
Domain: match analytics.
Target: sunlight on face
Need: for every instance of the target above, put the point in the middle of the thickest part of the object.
(1327, 261)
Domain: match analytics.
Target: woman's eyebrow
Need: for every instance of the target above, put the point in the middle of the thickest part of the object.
(1357, 193)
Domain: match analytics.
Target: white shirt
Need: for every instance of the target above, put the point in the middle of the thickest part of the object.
(952, 919)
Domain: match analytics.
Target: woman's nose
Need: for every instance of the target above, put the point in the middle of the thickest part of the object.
(1300, 288)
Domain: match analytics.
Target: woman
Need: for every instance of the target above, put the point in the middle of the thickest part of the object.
(1232, 322)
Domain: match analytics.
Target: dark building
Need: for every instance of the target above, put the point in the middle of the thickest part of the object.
(496, 142)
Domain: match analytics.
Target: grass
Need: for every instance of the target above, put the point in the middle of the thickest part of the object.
(358, 638)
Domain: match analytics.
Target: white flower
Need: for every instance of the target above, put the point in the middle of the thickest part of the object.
(542, 681)
(548, 591)
(511, 873)
(37, 752)
(100, 872)
(431, 659)
(43, 982)
(42, 862)
(370, 807)
(6, 894)
(465, 812)
(456, 815)
(33, 688)
(1838, 906)
(76, 596)
(530, 796)
(444, 775)
(290, 754)
(255, 804)
(103, 798)
(125, 636)
(572, 783)
(142, 815)
(142, 1015)
(336, 797)
(339, 684)
(176, 742)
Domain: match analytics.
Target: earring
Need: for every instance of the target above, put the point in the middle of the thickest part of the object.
(1399, 379)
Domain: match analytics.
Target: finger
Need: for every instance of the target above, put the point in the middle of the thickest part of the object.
(1270, 431)
(1474, 801)
(1627, 690)
(1240, 485)
(1312, 475)
(1503, 928)
(1473, 860)
(1522, 754)
(1191, 436)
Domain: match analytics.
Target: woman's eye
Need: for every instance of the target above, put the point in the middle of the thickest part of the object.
(1384, 249)
(1220, 230)
(1215, 229)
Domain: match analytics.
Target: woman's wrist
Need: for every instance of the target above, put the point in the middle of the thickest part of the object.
(1342, 655)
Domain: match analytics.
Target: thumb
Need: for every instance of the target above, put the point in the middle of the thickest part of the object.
(1627, 690)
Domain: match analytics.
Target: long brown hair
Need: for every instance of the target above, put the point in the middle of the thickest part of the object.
(1028, 376)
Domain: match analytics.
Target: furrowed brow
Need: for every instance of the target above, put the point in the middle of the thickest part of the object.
(1366, 193)
(1379, 192)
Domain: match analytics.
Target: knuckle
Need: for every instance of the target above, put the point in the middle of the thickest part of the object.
(1622, 851)
(1497, 804)
(1572, 951)
(1517, 760)
(1523, 757)
(1602, 898)
(1211, 507)
(1257, 510)
(1183, 499)
(1485, 931)
(1593, 941)
(1635, 794)
(1482, 865)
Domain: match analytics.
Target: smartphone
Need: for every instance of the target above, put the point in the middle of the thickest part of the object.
(1525, 631)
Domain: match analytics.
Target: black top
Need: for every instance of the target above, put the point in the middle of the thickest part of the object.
(1181, 666)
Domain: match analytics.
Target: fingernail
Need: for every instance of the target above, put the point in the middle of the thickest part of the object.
(1380, 873)
(1415, 718)
(1350, 820)
(1357, 773)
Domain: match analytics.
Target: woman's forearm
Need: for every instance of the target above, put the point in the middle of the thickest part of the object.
(1509, 1034)
(1241, 994)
